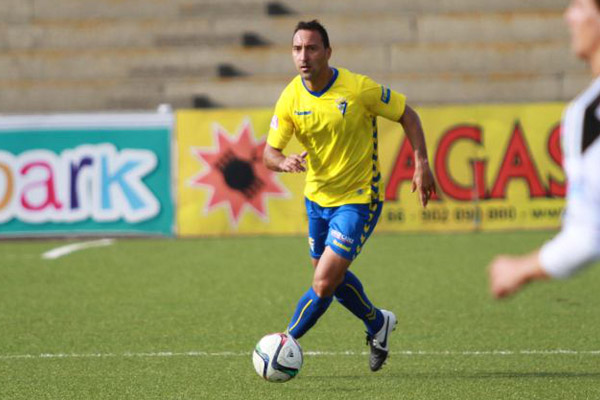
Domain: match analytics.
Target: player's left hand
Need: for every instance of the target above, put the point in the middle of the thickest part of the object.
(423, 182)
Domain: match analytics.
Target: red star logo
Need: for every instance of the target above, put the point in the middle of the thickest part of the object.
(235, 174)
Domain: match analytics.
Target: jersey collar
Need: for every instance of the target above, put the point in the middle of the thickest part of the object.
(326, 88)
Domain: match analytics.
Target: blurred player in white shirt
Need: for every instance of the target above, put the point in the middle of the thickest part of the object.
(578, 243)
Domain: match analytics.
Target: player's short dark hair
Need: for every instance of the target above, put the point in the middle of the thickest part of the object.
(315, 25)
(598, 4)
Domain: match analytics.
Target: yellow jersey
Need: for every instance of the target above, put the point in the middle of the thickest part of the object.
(337, 127)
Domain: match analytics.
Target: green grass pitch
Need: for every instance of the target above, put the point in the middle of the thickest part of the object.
(178, 319)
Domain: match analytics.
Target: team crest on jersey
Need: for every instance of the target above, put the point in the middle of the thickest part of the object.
(342, 104)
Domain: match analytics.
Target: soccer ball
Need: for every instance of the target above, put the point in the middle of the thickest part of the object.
(277, 357)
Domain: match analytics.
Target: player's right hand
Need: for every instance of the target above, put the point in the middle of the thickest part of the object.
(294, 163)
(423, 182)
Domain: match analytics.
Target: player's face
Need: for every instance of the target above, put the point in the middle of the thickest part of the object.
(310, 55)
(583, 18)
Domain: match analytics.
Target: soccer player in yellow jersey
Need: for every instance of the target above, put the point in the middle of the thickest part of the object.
(332, 112)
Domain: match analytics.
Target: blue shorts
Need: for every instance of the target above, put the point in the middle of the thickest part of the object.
(345, 229)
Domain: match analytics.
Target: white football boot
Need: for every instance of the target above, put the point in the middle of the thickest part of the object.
(379, 342)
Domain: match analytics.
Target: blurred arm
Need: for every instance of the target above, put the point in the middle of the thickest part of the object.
(572, 249)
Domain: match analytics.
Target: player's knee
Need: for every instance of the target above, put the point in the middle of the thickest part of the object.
(324, 287)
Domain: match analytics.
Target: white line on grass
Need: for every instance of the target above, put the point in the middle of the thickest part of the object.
(308, 353)
(70, 248)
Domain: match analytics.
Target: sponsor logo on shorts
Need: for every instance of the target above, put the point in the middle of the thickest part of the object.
(311, 243)
(341, 246)
(341, 237)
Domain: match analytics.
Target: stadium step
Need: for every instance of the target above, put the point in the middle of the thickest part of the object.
(85, 10)
(509, 57)
(117, 34)
(107, 64)
(400, 7)
(86, 95)
(15, 11)
(498, 27)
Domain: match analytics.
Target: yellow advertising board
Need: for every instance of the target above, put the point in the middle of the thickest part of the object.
(223, 187)
(497, 167)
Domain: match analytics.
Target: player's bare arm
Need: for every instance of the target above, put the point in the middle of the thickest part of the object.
(275, 160)
(423, 181)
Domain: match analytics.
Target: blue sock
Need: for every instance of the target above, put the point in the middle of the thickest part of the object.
(309, 309)
(351, 295)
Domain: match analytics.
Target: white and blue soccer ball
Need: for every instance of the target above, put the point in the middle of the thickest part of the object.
(277, 357)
